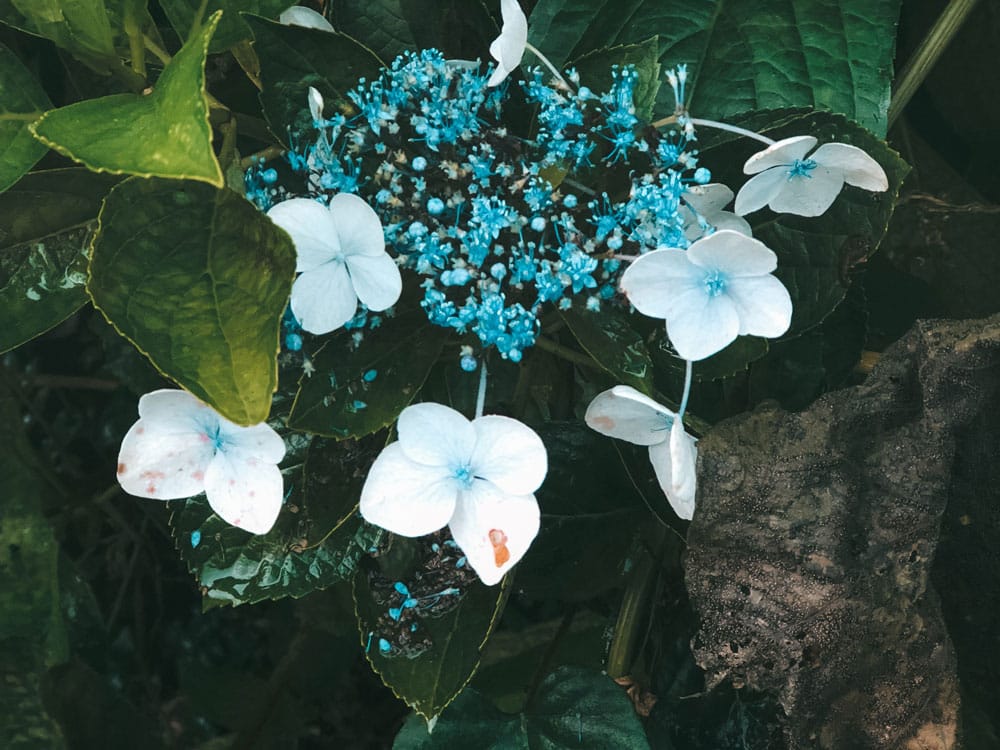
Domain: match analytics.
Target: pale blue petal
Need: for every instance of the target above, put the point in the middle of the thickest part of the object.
(323, 299)
(436, 435)
(508, 454)
(783, 152)
(733, 254)
(494, 529)
(405, 497)
(624, 413)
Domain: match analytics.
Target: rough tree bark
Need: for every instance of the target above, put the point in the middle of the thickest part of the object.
(810, 554)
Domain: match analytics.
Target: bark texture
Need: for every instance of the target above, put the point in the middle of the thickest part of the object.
(810, 554)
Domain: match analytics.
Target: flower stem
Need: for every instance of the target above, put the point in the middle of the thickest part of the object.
(545, 61)
(688, 372)
(919, 66)
(481, 396)
(718, 126)
(564, 352)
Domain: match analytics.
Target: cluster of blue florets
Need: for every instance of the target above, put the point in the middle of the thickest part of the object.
(495, 224)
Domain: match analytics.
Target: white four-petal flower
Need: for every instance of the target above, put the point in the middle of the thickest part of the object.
(719, 288)
(477, 477)
(706, 203)
(788, 181)
(341, 258)
(181, 447)
(624, 413)
(508, 48)
(298, 15)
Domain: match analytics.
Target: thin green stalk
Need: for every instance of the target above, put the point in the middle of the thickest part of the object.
(158, 52)
(271, 152)
(635, 605)
(137, 50)
(926, 56)
(564, 352)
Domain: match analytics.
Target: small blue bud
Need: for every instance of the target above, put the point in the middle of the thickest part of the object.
(570, 201)
(614, 242)
(293, 342)
(401, 588)
(435, 206)
(370, 376)
(584, 93)
(395, 612)
(269, 176)
(702, 175)
(498, 271)
(384, 646)
(419, 164)
(538, 223)
(468, 363)
(195, 538)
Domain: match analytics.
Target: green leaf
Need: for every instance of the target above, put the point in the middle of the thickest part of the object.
(198, 279)
(232, 28)
(82, 27)
(459, 28)
(595, 71)
(293, 58)
(744, 54)
(21, 101)
(815, 254)
(607, 336)
(315, 543)
(46, 222)
(430, 681)
(337, 399)
(797, 371)
(733, 359)
(573, 708)
(32, 631)
(587, 495)
(163, 134)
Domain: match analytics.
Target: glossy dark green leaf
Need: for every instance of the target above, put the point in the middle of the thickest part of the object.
(608, 337)
(590, 513)
(46, 222)
(82, 27)
(32, 631)
(797, 371)
(232, 28)
(573, 708)
(733, 359)
(815, 254)
(459, 28)
(744, 54)
(165, 133)
(430, 681)
(22, 100)
(198, 279)
(595, 71)
(315, 543)
(293, 58)
(355, 391)
(514, 656)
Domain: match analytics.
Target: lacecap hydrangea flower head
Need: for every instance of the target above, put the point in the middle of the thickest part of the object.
(181, 447)
(478, 478)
